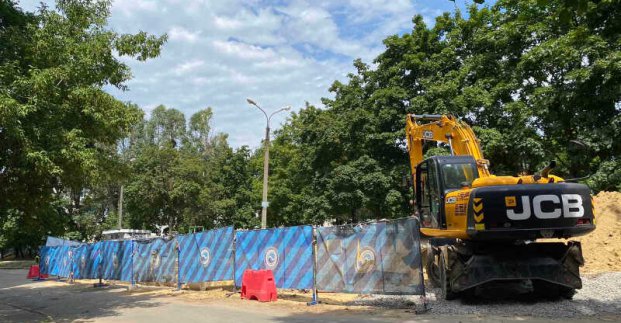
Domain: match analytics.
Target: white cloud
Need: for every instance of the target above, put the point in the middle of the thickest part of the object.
(131, 7)
(188, 66)
(241, 50)
(177, 33)
(221, 52)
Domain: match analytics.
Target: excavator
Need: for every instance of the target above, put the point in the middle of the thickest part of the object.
(481, 230)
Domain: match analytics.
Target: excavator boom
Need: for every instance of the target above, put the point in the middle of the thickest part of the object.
(457, 134)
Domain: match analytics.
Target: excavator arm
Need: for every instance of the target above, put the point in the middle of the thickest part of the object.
(447, 129)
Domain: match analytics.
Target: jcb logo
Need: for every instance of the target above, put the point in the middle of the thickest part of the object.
(569, 205)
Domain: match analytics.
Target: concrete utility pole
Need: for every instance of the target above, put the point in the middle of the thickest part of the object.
(266, 160)
(120, 221)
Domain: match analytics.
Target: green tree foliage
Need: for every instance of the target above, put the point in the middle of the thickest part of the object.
(183, 176)
(58, 127)
(530, 76)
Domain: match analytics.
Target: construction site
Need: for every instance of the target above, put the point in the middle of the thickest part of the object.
(340, 161)
(58, 301)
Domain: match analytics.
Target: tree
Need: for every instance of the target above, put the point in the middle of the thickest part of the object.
(57, 124)
(529, 76)
(183, 176)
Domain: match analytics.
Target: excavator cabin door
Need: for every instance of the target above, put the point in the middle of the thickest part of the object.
(428, 194)
(437, 176)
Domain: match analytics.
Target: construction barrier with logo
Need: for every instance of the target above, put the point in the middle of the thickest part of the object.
(46, 256)
(382, 257)
(81, 261)
(155, 260)
(96, 259)
(65, 261)
(206, 256)
(288, 252)
(117, 260)
(55, 260)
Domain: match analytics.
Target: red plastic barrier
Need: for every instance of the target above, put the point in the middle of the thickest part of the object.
(34, 273)
(259, 285)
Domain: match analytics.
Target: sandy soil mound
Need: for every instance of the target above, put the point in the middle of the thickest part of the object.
(602, 247)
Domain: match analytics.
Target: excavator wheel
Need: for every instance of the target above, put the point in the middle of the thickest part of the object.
(445, 285)
(432, 266)
(553, 291)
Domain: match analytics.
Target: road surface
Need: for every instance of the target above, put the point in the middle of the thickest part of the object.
(22, 300)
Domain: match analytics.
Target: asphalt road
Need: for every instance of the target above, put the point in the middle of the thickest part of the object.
(22, 300)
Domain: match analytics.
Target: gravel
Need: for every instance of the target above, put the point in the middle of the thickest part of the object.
(600, 295)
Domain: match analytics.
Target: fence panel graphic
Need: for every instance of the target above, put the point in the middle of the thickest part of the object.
(47, 255)
(52, 260)
(64, 261)
(114, 254)
(96, 258)
(383, 257)
(155, 260)
(206, 256)
(126, 259)
(286, 251)
(81, 261)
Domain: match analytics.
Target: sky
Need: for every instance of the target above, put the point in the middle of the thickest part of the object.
(278, 53)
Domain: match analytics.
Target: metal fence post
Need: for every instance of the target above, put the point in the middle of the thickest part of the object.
(314, 300)
(131, 279)
(234, 256)
(426, 307)
(178, 265)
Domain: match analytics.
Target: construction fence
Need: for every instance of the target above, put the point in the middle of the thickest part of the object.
(380, 258)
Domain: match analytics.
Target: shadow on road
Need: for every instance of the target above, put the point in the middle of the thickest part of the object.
(22, 300)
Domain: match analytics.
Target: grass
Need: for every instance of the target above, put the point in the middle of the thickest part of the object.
(16, 264)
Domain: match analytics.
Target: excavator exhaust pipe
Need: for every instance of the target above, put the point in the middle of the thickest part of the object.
(546, 171)
(433, 117)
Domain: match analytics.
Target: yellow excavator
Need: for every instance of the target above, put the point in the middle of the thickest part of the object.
(482, 229)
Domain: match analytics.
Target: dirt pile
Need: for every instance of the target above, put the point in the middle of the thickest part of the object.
(602, 247)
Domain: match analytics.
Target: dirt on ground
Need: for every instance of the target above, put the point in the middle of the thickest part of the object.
(224, 292)
(602, 248)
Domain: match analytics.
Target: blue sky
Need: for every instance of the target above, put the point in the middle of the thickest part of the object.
(279, 53)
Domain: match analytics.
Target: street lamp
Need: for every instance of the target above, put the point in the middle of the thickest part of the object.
(266, 159)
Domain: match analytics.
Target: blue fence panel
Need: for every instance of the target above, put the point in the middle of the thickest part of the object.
(54, 260)
(383, 257)
(126, 254)
(156, 260)
(111, 264)
(286, 251)
(299, 264)
(65, 260)
(96, 259)
(206, 256)
(81, 261)
(45, 258)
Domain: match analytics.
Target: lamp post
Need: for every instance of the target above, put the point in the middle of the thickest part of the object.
(266, 159)
(120, 206)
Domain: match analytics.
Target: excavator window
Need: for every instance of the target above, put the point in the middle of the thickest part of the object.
(455, 175)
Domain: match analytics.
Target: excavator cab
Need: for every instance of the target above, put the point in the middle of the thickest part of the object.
(437, 176)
